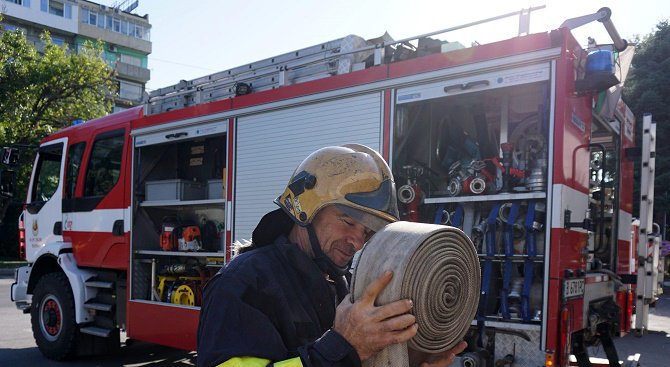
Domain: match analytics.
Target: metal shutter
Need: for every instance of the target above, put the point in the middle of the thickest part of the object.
(271, 145)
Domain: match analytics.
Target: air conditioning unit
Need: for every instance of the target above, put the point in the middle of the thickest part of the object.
(112, 48)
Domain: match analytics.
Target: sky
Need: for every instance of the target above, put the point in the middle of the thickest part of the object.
(191, 39)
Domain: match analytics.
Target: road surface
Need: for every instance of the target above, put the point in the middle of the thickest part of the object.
(17, 346)
(18, 349)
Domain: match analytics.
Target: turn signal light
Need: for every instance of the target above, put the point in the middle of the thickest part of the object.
(22, 238)
(549, 360)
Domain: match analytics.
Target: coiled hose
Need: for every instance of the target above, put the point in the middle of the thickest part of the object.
(437, 268)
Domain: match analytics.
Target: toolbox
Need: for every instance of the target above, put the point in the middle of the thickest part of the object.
(176, 189)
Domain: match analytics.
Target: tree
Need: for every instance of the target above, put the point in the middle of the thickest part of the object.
(41, 93)
(648, 90)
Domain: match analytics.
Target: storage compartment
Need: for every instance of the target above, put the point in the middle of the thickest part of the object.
(181, 170)
(173, 280)
(472, 153)
(178, 237)
(174, 190)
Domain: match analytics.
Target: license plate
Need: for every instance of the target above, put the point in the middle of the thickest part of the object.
(573, 288)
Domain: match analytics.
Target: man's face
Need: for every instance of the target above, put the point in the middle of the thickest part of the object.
(340, 235)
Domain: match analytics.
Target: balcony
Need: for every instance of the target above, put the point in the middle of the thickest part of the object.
(132, 72)
(109, 36)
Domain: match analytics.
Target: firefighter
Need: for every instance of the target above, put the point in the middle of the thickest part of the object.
(278, 301)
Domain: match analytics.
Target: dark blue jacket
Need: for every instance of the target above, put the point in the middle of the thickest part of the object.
(274, 303)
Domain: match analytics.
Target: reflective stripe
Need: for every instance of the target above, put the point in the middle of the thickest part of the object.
(245, 362)
(293, 362)
(260, 362)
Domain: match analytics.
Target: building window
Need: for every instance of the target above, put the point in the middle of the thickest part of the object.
(58, 41)
(116, 25)
(110, 58)
(124, 27)
(92, 18)
(25, 3)
(57, 8)
(131, 91)
(132, 60)
(7, 27)
(4, 27)
(139, 32)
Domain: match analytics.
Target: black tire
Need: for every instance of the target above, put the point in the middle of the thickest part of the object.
(52, 317)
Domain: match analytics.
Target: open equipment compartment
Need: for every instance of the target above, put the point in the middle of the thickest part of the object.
(471, 152)
(178, 237)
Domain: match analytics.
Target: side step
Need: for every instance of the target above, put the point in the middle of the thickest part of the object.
(98, 306)
(102, 306)
(97, 331)
(99, 284)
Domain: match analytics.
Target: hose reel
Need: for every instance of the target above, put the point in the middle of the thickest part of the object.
(438, 269)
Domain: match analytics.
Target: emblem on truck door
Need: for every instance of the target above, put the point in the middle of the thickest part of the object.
(35, 228)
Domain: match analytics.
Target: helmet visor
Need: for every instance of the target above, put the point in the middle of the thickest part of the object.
(383, 199)
(370, 221)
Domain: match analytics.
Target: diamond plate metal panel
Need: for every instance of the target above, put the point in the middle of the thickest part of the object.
(526, 353)
(141, 280)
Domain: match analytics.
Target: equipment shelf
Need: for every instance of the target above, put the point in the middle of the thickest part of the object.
(164, 304)
(496, 197)
(179, 253)
(515, 258)
(180, 203)
(513, 324)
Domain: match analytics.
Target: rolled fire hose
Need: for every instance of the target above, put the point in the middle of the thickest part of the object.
(437, 268)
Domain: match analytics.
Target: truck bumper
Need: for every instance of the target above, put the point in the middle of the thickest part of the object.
(19, 290)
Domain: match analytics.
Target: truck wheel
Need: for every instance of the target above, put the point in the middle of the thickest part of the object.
(52, 317)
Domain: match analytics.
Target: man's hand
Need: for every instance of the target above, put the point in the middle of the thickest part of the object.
(436, 360)
(369, 328)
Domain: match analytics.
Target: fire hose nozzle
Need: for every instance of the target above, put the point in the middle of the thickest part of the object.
(406, 194)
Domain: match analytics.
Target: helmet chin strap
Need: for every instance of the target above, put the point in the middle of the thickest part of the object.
(321, 259)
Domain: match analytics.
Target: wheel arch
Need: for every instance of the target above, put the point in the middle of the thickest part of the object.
(47, 263)
(66, 264)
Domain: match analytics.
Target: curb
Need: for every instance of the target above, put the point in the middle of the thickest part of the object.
(7, 271)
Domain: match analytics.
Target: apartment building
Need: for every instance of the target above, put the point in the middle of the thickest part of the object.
(72, 22)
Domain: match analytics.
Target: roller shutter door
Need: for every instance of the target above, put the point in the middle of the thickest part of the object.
(269, 146)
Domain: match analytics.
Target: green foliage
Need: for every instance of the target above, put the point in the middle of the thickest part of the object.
(41, 93)
(648, 91)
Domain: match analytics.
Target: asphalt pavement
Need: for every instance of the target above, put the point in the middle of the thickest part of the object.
(653, 347)
(18, 349)
(17, 346)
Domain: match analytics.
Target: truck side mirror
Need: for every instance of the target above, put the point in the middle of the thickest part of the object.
(10, 156)
(7, 183)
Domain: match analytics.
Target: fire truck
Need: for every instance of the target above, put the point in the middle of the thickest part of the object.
(524, 143)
